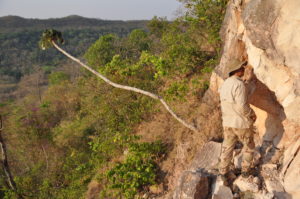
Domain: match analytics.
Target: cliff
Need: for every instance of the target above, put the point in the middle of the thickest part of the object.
(266, 33)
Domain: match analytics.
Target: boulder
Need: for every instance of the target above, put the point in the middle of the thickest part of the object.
(192, 185)
(220, 191)
(195, 182)
(207, 157)
(272, 181)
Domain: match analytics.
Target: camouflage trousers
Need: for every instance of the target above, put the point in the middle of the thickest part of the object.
(231, 136)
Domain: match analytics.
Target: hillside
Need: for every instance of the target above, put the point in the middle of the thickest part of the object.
(81, 138)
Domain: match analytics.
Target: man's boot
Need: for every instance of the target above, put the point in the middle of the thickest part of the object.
(246, 172)
(228, 178)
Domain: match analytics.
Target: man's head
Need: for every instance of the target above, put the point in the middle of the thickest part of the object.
(239, 72)
(236, 67)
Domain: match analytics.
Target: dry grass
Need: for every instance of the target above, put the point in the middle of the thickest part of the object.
(183, 143)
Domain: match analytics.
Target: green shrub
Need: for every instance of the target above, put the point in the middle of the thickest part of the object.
(138, 170)
(176, 90)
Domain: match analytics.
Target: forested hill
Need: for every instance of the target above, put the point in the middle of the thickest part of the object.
(15, 23)
(19, 52)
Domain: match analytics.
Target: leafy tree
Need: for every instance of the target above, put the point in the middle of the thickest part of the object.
(207, 17)
(139, 40)
(103, 50)
(157, 26)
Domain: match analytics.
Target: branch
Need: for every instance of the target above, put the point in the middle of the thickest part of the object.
(129, 88)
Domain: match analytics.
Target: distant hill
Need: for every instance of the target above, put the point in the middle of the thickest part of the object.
(19, 37)
(19, 51)
(15, 23)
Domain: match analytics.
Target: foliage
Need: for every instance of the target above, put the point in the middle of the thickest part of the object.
(103, 50)
(48, 37)
(138, 170)
(176, 90)
(157, 26)
(206, 16)
(137, 42)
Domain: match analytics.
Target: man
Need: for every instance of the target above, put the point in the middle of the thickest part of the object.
(238, 118)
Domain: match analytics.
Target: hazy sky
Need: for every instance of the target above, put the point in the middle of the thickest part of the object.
(104, 9)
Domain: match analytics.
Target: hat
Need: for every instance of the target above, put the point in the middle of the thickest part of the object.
(233, 65)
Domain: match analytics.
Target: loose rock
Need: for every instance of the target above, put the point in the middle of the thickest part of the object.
(246, 184)
(193, 185)
(220, 191)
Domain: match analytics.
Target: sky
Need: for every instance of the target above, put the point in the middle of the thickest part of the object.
(102, 9)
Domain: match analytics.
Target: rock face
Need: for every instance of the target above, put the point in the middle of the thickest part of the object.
(192, 185)
(195, 182)
(267, 34)
(291, 169)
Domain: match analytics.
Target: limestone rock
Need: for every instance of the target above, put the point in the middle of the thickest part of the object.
(207, 157)
(246, 184)
(264, 195)
(256, 180)
(192, 185)
(272, 181)
(258, 30)
(292, 177)
(269, 167)
(289, 155)
(220, 191)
